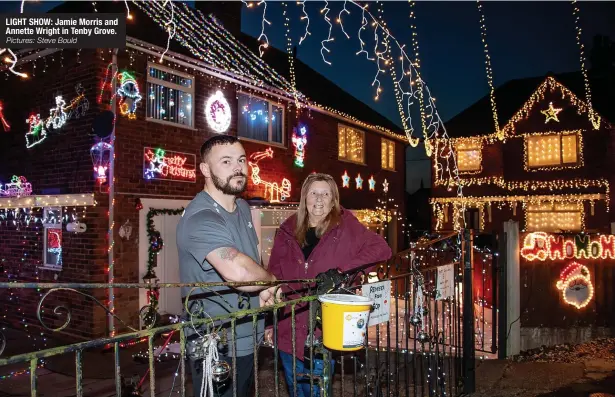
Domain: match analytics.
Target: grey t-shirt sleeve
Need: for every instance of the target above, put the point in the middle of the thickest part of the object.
(204, 232)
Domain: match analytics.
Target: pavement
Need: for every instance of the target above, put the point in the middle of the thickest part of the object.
(506, 378)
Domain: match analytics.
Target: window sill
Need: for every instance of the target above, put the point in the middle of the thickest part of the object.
(389, 169)
(556, 167)
(275, 144)
(351, 162)
(170, 124)
(52, 268)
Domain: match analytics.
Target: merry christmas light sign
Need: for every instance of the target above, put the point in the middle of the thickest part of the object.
(165, 164)
(543, 246)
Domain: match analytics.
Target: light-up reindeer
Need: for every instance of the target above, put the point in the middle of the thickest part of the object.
(273, 191)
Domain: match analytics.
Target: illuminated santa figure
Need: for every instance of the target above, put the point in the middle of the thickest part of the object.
(575, 285)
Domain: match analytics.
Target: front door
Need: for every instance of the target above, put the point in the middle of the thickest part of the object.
(167, 268)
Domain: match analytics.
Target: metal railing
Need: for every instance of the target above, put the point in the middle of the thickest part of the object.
(408, 355)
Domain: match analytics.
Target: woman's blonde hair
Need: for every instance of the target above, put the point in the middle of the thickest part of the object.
(330, 221)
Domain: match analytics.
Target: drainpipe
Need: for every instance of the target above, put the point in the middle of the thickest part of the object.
(114, 68)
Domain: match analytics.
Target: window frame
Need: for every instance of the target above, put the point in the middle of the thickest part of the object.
(191, 91)
(346, 159)
(46, 227)
(388, 142)
(270, 105)
(561, 166)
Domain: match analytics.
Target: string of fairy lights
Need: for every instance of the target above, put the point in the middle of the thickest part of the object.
(489, 70)
(410, 76)
(291, 59)
(224, 56)
(414, 142)
(398, 97)
(593, 118)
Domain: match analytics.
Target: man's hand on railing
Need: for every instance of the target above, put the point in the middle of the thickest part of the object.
(269, 296)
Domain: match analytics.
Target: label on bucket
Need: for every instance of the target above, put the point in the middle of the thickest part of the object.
(355, 324)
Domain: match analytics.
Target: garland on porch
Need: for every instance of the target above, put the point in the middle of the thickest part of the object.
(153, 235)
(149, 313)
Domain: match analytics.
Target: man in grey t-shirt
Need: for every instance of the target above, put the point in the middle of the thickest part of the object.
(216, 242)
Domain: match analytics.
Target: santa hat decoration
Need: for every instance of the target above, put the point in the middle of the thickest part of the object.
(575, 284)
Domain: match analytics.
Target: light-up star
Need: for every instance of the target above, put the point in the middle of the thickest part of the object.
(372, 183)
(359, 181)
(551, 113)
(385, 186)
(345, 180)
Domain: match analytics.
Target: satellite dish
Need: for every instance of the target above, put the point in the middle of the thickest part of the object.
(103, 124)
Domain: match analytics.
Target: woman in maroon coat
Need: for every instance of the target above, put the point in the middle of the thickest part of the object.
(320, 236)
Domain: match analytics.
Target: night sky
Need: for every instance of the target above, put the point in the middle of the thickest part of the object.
(525, 39)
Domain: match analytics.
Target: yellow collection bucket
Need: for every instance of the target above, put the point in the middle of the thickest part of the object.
(344, 321)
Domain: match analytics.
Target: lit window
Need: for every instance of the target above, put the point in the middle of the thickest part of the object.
(387, 154)
(170, 96)
(554, 217)
(52, 238)
(351, 144)
(260, 120)
(552, 150)
(469, 156)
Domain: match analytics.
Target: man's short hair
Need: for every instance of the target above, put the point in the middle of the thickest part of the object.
(214, 141)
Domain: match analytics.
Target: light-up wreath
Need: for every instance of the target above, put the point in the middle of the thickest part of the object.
(218, 112)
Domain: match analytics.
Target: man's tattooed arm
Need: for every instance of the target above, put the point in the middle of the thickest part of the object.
(227, 253)
(234, 265)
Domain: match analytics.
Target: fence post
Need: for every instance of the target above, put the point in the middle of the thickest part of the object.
(494, 291)
(469, 381)
(501, 299)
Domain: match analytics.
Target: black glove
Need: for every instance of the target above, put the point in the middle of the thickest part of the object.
(329, 281)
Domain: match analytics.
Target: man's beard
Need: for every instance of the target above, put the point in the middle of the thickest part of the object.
(226, 187)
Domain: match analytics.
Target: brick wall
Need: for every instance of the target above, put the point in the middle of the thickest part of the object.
(59, 165)
(62, 165)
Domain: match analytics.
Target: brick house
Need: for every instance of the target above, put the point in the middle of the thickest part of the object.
(551, 172)
(159, 128)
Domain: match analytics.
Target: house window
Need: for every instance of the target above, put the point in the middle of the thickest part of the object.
(351, 144)
(554, 217)
(552, 150)
(387, 154)
(170, 96)
(260, 120)
(52, 238)
(469, 156)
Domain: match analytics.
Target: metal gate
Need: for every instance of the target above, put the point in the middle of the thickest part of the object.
(427, 348)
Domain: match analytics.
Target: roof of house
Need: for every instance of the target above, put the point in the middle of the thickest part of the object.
(205, 38)
(195, 35)
(511, 96)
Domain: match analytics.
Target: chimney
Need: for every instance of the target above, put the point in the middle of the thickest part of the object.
(226, 12)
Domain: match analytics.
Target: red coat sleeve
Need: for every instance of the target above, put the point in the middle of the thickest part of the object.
(278, 255)
(367, 246)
